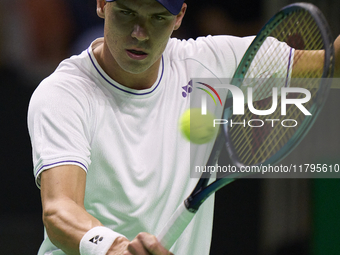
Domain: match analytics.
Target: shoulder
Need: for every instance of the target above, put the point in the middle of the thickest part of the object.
(69, 88)
(211, 56)
(76, 71)
(208, 45)
(72, 77)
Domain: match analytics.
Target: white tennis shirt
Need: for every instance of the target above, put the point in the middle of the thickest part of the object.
(128, 142)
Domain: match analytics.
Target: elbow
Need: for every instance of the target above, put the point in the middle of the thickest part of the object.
(65, 224)
(51, 216)
(57, 223)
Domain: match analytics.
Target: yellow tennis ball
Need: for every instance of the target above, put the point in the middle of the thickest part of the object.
(197, 128)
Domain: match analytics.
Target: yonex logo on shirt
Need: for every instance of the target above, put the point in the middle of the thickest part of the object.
(187, 89)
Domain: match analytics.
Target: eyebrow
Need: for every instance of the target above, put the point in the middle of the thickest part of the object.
(123, 6)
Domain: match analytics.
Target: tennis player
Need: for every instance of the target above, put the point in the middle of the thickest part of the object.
(108, 157)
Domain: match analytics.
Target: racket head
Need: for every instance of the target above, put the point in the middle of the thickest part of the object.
(282, 147)
(303, 28)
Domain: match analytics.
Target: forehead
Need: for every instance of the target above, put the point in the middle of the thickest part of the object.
(150, 5)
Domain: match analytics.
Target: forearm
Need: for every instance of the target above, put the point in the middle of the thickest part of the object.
(64, 214)
(66, 223)
(308, 63)
(66, 228)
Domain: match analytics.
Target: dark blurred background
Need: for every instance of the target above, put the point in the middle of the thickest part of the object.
(264, 217)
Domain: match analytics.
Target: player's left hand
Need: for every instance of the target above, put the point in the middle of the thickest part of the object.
(147, 244)
(337, 57)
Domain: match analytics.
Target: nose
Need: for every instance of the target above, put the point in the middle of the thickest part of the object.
(140, 33)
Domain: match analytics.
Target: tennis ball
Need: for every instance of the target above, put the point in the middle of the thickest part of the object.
(197, 128)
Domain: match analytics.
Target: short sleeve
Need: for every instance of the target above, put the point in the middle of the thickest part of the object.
(59, 125)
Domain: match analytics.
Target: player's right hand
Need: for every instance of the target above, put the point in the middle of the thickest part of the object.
(142, 244)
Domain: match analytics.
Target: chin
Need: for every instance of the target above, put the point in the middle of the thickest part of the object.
(135, 69)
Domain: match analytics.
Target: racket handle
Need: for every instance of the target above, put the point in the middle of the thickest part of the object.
(175, 226)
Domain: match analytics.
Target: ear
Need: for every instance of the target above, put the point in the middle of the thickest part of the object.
(180, 16)
(100, 8)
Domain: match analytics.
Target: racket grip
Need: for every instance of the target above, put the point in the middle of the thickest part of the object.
(175, 226)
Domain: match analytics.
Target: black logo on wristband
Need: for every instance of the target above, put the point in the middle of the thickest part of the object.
(96, 239)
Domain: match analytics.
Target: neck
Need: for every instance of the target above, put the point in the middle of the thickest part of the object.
(138, 81)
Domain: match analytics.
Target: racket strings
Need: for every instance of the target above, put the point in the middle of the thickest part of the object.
(257, 138)
(255, 145)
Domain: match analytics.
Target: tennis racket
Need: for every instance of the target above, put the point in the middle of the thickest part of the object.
(299, 37)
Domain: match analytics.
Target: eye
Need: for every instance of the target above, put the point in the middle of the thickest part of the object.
(126, 13)
(158, 17)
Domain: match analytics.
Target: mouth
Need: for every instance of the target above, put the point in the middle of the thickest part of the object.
(136, 54)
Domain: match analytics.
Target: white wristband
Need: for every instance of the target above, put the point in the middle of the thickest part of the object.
(97, 241)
